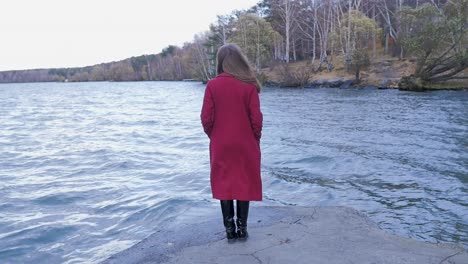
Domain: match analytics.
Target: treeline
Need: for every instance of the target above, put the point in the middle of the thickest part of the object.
(173, 63)
(319, 31)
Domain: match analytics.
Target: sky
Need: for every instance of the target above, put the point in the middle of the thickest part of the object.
(74, 33)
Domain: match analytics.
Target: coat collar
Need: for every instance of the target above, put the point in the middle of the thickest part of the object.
(225, 74)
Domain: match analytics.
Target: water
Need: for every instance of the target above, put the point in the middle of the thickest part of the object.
(89, 169)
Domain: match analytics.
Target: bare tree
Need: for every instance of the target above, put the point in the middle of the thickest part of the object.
(307, 24)
(287, 10)
(201, 57)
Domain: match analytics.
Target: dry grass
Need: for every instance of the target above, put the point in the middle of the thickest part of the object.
(384, 68)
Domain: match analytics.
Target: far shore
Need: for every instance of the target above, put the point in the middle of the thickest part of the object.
(341, 82)
(385, 72)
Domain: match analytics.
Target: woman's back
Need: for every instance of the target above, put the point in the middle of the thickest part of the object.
(232, 119)
(231, 97)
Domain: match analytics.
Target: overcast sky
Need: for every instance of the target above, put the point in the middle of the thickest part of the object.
(71, 33)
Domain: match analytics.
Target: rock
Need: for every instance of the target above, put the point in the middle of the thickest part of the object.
(348, 83)
(319, 83)
(286, 234)
(368, 87)
(387, 63)
(336, 82)
(411, 83)
(310, 85)
(271, 84)
(384, 83)
(387, 84)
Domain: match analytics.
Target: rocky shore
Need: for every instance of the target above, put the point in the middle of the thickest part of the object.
(384, 73)
(344, 83)
(339, 82)
(286, 234)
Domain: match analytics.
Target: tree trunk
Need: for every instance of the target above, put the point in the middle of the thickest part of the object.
(374, 50)
(294, 49)
(149, 70)
(288, 22)
(224, 34)
(386, 43)
(399, 6)
(257, 57)
(348, 38)
(314, 33)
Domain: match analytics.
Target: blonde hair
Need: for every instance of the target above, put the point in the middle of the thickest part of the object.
(231, 60)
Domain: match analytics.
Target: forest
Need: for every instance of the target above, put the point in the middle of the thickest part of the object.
(320, 35)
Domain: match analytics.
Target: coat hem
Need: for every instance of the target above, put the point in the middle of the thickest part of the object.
(238, 198)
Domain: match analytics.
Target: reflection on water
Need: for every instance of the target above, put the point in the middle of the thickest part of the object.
(89, 169)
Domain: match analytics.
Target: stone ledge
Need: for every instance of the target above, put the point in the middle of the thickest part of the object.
(286, 235)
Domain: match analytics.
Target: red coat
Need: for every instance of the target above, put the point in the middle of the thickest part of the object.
(232, 119)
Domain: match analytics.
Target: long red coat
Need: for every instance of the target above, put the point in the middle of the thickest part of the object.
(232, 119)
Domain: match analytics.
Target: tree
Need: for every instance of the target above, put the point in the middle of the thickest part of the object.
(287, 11)
(139, 67)
(359, 60)
(254, 35)
(199, 50)
(169, 50)
(439, 40)
(315, 21)
(221, 30)
(308, 24)
(358, 31)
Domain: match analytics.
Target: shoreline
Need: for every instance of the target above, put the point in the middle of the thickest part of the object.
(285, 234)
(331, 83)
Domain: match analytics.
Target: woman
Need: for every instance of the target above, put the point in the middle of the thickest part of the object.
(232, 119)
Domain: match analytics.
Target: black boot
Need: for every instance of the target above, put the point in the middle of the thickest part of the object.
(242, 214)
(227, 207)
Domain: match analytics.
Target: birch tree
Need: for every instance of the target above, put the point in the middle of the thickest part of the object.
(205, 68)
(287, 10)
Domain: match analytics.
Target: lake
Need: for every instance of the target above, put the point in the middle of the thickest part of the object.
(90, 169)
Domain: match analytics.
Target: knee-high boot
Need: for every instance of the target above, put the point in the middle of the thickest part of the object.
(227, 207)
(242, 215)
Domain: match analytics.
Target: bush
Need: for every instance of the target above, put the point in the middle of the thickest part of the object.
(294, 78)
(262, 77)
(359, 60)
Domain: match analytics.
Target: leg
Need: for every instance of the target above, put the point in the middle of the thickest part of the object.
(242, 215)
(227, 208)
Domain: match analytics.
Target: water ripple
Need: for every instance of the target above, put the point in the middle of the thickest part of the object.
(89, 169)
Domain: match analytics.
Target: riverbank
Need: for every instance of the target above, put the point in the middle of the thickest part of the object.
(289, 234)
(385, 72)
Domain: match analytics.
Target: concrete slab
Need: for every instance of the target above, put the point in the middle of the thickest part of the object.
(287, 235)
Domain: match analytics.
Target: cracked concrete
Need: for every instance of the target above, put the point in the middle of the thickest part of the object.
(289, 235)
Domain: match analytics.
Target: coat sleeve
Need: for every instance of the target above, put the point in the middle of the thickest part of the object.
(256, 116)
(207, 112)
